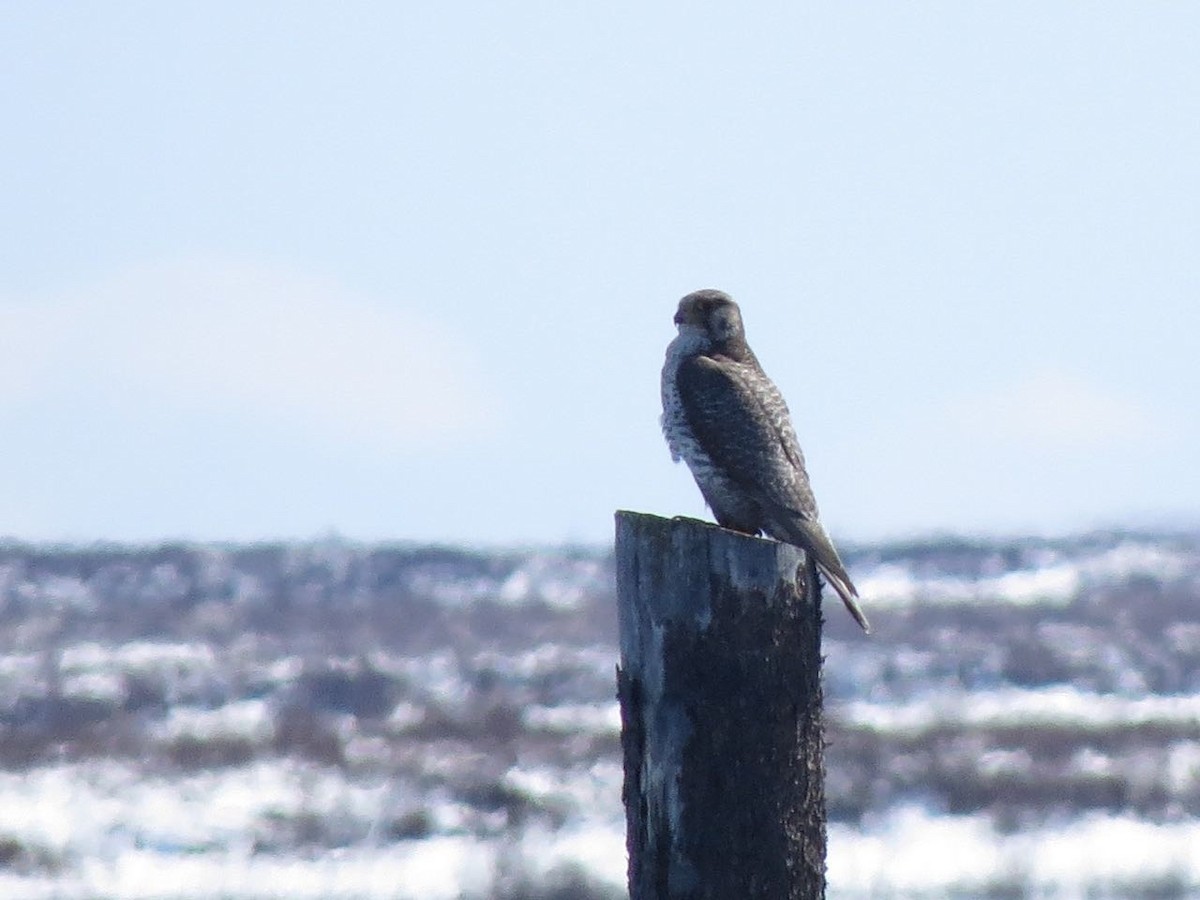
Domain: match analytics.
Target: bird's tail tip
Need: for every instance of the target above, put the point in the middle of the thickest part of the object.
(841, 583)
(858, 615)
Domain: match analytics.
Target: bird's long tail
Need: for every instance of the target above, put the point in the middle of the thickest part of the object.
(812, 537)
(846, 590)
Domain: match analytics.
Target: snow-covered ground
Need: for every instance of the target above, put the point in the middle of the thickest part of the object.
(1042, 575)
(1061, 705)
(911, 853)
(111, 834)
(331, 721)
(105, 829)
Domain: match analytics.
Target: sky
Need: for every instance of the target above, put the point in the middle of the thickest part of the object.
(399, 271)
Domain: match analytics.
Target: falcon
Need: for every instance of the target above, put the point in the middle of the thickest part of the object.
(727, 420)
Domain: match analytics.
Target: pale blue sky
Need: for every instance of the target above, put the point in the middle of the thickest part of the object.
(408, 270)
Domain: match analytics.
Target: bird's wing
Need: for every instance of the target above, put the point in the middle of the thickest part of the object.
(741, 420)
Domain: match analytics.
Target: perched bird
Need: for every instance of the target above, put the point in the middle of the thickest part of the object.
(726, 419)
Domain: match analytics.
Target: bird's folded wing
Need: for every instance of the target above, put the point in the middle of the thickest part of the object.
(741, 421)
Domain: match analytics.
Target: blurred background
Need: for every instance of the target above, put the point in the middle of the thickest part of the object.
(329, 342)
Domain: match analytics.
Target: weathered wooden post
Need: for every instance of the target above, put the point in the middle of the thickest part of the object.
(720, 689)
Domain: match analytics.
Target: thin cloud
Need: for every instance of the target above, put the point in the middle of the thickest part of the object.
(1059, 410)
(221, 335)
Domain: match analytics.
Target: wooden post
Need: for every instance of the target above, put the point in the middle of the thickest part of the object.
(720, 689)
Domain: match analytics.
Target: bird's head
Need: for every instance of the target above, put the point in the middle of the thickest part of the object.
(713, 314)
